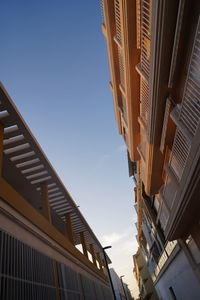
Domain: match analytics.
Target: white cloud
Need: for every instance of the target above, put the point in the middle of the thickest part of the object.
(124, 245)
(122, 149)
(112, 238)
(115, 237)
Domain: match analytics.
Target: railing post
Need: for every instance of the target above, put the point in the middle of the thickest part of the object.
(45, 202)
(1, 148)
(69, 228)
(93, 255)
(82, 237)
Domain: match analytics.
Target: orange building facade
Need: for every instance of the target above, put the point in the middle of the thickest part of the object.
(154, 58)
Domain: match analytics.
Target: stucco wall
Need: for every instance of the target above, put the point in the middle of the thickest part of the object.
(180, 276)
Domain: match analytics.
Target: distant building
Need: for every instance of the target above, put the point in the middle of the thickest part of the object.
(154, 58)
(143, 277)
(121, 289)
(40, 224)
(127, 292)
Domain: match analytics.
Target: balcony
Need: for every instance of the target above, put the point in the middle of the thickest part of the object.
(117, 21)
(156, 42)
(144, 102)
(171, 248)
(146, 8)
(102, 11)
(182, 179)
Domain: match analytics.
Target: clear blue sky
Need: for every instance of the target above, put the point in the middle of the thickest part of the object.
(53, 64)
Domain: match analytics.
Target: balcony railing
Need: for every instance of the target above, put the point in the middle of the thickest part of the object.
(102, 11)
(144, 98)
(124, 109)
(121, 67)
(138, 24)
(169, 248)
(117, 21)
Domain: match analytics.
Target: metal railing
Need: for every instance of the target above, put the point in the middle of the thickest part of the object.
(117, 21)
(124, 109)
(170, 246)
(28, 274)
(143, 143)
(144, 98)
(138, 23)
(102, 11)
(121, 67)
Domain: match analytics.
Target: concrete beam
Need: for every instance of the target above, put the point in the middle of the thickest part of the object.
(82, 237)
(45, 202)
(69, 229)
(93, 254)
(99, 260)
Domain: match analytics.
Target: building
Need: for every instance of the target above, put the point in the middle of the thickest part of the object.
(127, 292)
(41, 226)
(121, 289)
(154, 59)
(143, 277)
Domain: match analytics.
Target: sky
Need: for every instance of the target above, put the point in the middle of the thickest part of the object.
(53, 63)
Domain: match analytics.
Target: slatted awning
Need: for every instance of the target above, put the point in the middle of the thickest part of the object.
(26, 167)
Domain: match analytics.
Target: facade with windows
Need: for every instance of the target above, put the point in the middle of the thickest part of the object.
(143, 277)
(121, 289)
(154, 58)
(41, 227)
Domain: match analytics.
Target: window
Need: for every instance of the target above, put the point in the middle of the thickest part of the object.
(164, 216)
(156, 204)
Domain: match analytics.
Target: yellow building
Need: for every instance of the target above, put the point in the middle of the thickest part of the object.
(40, 224)
(143, 278)
(154, 58)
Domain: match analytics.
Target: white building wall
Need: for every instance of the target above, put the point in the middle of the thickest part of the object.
(180, 276)
(116, 284)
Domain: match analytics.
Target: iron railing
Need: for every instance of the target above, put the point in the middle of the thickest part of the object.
(27, 274)
(138, 22)
(169, 248)
(144, 98)
(102, 11)
(117, 21)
